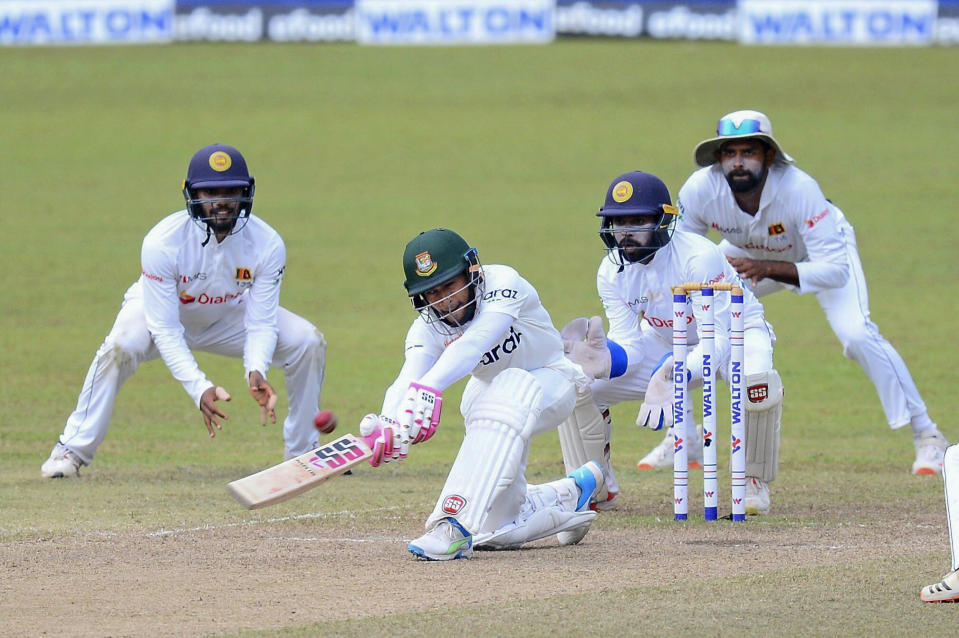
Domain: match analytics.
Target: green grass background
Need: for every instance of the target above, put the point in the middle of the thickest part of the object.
(355, 150)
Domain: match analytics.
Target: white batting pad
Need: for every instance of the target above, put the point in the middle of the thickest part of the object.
(485, 487)
(764, 412)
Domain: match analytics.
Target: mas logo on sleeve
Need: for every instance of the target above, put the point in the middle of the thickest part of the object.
(220, 161)
(425, 266)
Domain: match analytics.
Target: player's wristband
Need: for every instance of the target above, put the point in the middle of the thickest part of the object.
(619, 360)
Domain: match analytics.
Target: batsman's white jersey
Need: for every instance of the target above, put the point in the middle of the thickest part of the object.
(638, 302)
(796, 223)
(195, 293)
(520, 385)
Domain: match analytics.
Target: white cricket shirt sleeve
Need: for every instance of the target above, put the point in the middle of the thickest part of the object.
(691, 217)
(161, 308)
(421, 352)
(826, 265)
(623, 321)
(263, 304)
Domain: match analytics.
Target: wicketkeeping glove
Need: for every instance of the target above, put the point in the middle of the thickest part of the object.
(382, 433)
(656, 412)
(584, 343)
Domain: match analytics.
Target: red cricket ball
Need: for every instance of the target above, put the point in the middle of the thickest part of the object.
(325, 421)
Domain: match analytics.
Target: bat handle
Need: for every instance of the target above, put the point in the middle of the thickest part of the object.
(370, 439)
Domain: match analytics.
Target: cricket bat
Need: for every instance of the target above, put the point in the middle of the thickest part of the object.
(291, 478)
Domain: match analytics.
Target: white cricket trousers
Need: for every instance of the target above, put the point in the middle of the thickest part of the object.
(847, 310)
(300, 352)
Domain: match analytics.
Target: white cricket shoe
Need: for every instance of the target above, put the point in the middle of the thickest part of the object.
(63, 463)
(448, 540)
(590, 480)
(757, 496)
(661, 456)
(930, 447)
(945, 591)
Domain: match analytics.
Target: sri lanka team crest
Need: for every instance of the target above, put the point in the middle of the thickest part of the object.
(425, 266)
(622, 191)
(220, 161)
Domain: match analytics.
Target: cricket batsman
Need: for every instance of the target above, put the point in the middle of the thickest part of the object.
(485, 322)
(646, 257)
(781, 233)
(210, 281)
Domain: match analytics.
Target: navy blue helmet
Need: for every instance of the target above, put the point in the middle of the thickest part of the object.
(638, 217)
(214, 167)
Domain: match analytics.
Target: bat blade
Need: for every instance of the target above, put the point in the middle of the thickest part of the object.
(297, 475)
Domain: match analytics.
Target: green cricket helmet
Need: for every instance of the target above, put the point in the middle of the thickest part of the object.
(431, 259)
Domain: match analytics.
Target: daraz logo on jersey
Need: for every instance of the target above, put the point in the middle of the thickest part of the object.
(509, 346)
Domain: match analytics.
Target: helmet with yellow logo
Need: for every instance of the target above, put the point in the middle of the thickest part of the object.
(638, 217)
(214, 170)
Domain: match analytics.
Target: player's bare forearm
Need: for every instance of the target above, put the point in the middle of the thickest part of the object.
(755, 270)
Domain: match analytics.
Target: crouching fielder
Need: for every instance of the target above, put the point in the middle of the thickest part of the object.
(947, 590)
(486, 322)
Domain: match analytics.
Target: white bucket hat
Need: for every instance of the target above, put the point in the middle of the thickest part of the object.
(739, 125)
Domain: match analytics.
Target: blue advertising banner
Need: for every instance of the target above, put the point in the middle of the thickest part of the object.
(57, 22)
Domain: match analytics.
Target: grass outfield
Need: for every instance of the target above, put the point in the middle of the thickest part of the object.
(355, 150)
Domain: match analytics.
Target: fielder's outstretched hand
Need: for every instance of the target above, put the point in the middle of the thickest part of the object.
(210, 411)
(264, 394)
(656, 412)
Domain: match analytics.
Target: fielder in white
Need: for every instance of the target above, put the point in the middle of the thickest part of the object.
(780, 232)
(947, 590)
(210, 281)
(486, 322)
(646, 258)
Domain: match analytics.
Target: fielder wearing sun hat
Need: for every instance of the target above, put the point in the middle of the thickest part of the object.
(739, 125)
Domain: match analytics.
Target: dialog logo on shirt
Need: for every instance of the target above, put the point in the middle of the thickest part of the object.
(453, 504)
(817, 218)
(425, 266)
(186, 297)
(776, 229)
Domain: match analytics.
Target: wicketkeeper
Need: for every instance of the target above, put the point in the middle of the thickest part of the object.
(485, 322)
(645, 258)
(210, 281)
